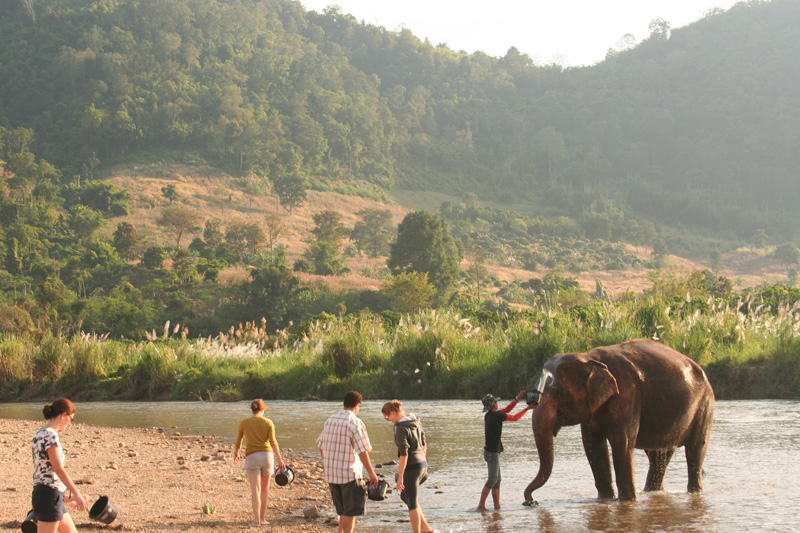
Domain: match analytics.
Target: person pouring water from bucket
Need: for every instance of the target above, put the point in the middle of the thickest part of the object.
(493, 445)
(260, 454)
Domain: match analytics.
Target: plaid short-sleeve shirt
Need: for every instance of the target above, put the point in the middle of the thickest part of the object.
(343, 437)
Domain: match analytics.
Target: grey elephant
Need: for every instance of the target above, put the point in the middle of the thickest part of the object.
(638, 394)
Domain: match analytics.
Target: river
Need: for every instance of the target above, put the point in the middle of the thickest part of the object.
(752, 467)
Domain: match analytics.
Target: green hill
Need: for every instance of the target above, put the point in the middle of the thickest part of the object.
(694, 128)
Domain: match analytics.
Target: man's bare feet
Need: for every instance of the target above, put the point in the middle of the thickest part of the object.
(482, 509)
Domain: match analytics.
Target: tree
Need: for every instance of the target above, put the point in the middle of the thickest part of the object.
(424, 245)
(269, 293)
(153, 258)
(477, 271)
(183, 264)
(291, 191)
(328, 227)
(170, 193)
(244, 237)
(716, 260)
(85, 222)
(273, 228)
(126, 240)
(212, 232)
(410, 291)
(325, 258)
(373, 232)
(788, 254)
(178, 219)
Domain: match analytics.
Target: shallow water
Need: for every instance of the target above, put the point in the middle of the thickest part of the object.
(752, 468)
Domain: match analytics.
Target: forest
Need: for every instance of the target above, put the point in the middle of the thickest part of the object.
(693, 127)
(687, 136)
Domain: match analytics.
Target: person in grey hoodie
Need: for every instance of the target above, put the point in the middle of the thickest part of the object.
(412, 450)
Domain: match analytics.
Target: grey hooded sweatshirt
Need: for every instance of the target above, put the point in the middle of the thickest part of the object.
(410, 439)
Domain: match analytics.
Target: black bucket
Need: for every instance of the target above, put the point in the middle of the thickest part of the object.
(532, 397)
(30, 525)
(103, 510)
(378, 493)
(284, 477)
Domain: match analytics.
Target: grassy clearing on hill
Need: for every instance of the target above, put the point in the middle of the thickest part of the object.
(215, 194)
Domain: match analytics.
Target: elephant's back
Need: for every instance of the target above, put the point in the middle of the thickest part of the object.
(673, 390)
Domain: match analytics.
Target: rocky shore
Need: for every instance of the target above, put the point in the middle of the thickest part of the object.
(160, 480)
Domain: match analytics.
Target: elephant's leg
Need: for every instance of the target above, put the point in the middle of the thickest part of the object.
(696, 447)
(622, 453)
(596, 450)
(659, 460)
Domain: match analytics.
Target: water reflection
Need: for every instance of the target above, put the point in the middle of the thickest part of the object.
(752, 478)
(493, 522)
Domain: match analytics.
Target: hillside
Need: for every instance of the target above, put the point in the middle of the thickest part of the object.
(693, 129)
(217, 195)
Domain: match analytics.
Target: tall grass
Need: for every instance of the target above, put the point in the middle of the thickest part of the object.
(748, 351)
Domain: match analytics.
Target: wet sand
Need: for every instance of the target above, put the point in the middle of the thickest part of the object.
(160, 480)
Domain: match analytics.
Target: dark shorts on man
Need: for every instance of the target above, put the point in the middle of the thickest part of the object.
(350, 498)
(48, 504)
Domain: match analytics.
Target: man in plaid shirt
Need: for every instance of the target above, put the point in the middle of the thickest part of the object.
(344, 445)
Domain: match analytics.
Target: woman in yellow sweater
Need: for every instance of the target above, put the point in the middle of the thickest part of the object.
(261, 449)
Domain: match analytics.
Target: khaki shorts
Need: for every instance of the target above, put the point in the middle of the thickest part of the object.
(259, 464)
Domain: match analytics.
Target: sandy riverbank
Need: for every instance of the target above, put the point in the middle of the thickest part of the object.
(159, 481)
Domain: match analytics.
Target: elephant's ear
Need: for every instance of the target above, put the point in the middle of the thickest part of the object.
(600, 386)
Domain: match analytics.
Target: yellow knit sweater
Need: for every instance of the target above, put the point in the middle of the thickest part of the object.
(259, 432)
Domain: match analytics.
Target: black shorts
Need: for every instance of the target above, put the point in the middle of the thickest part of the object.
(350, 498)
(48, 504)
(412, 479)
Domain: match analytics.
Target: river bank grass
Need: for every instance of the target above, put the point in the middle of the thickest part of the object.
(748, 350)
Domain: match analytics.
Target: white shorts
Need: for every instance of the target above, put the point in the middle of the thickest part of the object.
(259, 464)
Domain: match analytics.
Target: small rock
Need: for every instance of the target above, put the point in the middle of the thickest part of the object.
(113, 466)
(205, 457)
(133, 454)
(311, 512)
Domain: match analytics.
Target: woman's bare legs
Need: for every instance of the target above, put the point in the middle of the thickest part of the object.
(418, 522)
(256, 496)
(66, 525)
(264, 497)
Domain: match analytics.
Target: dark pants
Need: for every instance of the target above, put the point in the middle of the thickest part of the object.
(412, 479)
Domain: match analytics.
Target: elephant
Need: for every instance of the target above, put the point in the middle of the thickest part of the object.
(638, 394)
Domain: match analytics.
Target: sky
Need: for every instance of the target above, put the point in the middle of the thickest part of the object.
(568, 32)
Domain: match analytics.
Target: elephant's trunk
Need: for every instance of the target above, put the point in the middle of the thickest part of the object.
(543, 422)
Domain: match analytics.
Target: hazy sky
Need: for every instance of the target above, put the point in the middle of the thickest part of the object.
(581, 31)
